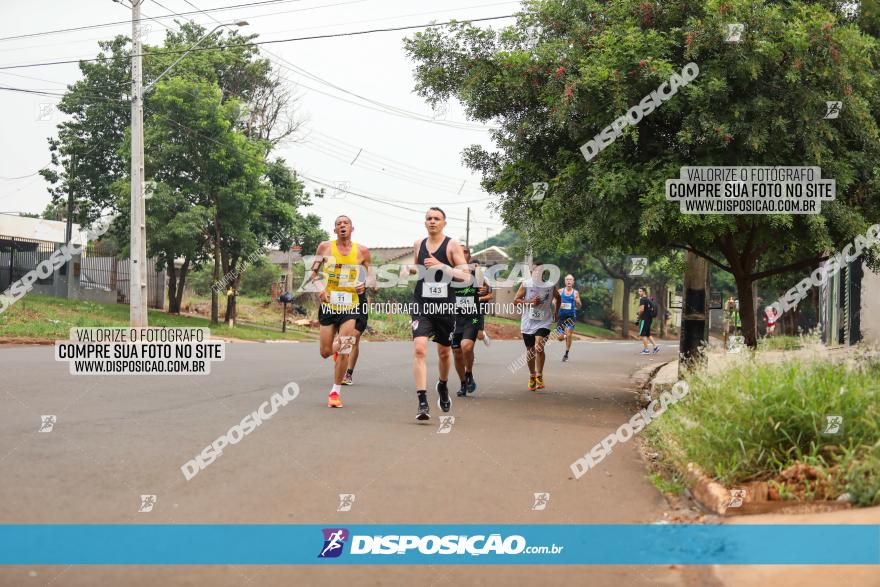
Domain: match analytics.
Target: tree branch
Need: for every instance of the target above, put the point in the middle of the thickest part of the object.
(609, 271)
(703, 255)
(803, 263)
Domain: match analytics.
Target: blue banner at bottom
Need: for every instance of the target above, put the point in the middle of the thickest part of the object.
(250, 544)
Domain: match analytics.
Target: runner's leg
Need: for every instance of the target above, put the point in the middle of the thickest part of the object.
(467, 349)
(420, 370)
(445, 360)
(325, 340)
(353, 357)
(346, 329)
(539, 355)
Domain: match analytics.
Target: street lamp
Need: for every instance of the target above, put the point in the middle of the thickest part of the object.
(138, 264)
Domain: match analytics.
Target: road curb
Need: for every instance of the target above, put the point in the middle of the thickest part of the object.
(643, 381)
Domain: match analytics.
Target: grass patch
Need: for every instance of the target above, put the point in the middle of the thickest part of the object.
(49, 318)
(579, 327)
(666, 485)
(755, 421)
(781, 343)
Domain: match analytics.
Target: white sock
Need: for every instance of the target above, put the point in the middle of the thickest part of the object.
(336, 389)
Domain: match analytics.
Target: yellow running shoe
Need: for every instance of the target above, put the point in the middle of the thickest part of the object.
(532, 384)
(334, 401)
(539, 381)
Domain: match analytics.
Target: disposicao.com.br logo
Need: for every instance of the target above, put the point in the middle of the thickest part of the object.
(452, 544)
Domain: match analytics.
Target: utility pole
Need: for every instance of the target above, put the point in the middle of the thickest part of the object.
(467, 234)
(138, 255)
(288, 280)
(68, 230)
(694, 310)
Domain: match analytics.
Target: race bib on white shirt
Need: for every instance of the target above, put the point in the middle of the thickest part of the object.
(566, 305)
(340, 298)
(434, 290)
(464, 303)
(536, 313)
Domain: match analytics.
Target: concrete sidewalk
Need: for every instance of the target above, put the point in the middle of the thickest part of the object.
(800, 575)
(782, 575)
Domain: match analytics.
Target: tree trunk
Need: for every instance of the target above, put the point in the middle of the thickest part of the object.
(175, 301)
(172, 285)
(231, 303)
(624, 310)
(694, 312)
(662, 294)
(747, 310)
(215, 305)
(229, 316)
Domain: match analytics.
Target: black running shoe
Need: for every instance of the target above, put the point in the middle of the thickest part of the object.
(462, 391)
(423, 412)
(565, 357)
(443, 401)
(471, 384)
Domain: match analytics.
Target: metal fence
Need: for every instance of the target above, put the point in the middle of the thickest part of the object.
(19, 256)
(155, 284)
(97, 270)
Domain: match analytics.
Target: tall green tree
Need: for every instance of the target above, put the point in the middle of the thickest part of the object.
(210, 125)
(566, 70)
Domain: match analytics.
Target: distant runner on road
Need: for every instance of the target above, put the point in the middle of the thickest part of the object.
(647, 310)
(442, 260)
(570, 303)
(540, 303)
(344, 281)
(469, 303)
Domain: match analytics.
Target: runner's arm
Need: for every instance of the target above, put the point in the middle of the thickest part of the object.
(577, 299)
(314, 277)
(557, 303)
(460, 269)
(520, 298)
(489, 294)
(414, 268)
(370, 279)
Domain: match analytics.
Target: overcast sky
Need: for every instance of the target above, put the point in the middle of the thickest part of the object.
(411, 162)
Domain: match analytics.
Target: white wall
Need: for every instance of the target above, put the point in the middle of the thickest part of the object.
(870, 310)
(34, 228)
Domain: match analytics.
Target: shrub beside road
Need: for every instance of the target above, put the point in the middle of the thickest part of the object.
(776, 423)
(39, 318)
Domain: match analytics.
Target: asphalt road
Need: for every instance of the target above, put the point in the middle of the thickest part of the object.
(117, 438)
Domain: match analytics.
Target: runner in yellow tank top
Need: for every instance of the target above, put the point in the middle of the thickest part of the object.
(341, 287)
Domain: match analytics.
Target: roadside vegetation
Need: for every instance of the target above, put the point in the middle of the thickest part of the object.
(759, 422)
(39, 318)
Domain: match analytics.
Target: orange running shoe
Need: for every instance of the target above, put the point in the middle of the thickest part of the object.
(532, 384)
(539, 381)
(334, 401)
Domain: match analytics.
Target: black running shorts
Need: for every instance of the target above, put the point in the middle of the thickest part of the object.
(438, 327)
(529, 339)
(360, 323)
(466, 327)
(335, 318)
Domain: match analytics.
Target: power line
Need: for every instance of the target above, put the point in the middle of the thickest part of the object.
(382, 106)
(392, 203)
(20, 176)
(119, 22)
(270, 42)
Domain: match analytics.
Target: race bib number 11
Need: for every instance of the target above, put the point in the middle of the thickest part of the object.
(340, 298)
